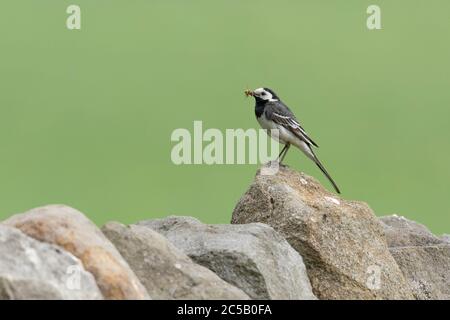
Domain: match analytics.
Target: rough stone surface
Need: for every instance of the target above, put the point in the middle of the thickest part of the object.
(71, 230)
(342, 242)
(423, 257)
(446, 238)
(403, 232)
(252, 257)
(165, 271)
(30, 269)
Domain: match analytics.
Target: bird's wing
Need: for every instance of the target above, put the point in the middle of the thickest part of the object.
(280, 114)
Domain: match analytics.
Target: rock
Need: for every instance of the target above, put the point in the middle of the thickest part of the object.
(403, 232)
(446, 238)
(341, 242)
(423, 257)
(71, 230)
(30, 269)
(252, 257)
(165, 271)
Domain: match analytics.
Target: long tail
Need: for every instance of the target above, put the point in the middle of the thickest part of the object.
(325, 172)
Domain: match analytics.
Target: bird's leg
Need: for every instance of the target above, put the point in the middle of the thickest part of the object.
(283, 152)
(279, 156)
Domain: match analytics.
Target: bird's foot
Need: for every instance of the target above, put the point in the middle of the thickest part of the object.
(281, 164)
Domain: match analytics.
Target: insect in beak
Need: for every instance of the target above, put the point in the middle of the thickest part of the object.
(248, 93)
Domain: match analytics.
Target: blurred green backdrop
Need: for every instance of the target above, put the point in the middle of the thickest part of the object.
(86, 116)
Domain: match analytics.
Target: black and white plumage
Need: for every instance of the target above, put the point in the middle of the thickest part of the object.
(272, 113)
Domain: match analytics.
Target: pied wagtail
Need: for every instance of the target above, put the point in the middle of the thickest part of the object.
(272, 113)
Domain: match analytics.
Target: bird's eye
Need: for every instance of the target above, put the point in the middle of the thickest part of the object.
(263, 93)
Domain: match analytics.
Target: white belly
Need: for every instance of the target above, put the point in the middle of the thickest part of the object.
(282, 135)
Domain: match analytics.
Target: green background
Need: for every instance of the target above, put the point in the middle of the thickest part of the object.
(86, 116)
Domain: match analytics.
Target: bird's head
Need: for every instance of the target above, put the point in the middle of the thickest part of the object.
(262, 94)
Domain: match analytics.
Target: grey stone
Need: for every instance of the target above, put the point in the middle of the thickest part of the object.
(403, 232)
(165, 271)
(423, 257)
(341, 241)
(252, 257)
(30, 269)
(73, 231)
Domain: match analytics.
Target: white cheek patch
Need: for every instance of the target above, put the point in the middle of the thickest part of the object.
(267, 96)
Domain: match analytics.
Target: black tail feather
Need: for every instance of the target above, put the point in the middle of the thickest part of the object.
(325, 172)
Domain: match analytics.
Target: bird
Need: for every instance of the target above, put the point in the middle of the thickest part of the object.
(272, 113)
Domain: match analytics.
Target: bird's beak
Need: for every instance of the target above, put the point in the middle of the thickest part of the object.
(248, 93)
